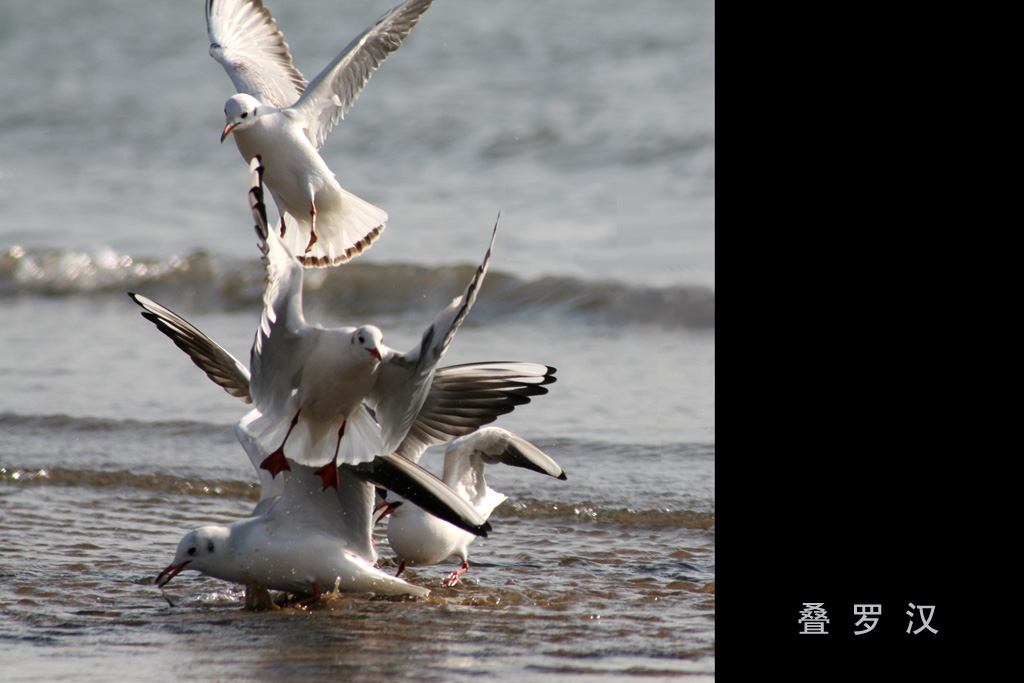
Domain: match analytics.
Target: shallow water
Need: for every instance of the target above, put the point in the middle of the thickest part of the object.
(588, 125)
(573, 579)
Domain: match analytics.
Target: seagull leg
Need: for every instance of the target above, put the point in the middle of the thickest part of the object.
(329, 472)
(454, 578)
(310, 600)
(312, 231)
(401, 568)
(282, 226)
(275, 462)
(386, 508)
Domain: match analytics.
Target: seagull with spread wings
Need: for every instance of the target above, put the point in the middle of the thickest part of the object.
(280, 117)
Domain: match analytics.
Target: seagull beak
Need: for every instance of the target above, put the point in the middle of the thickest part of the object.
(375, 352)
(166, 575)
(227, 131)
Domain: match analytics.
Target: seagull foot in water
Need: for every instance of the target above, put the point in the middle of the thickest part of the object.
(454, 578)
(329, 472)
(305, 602)
(401, 568)
(275, 462)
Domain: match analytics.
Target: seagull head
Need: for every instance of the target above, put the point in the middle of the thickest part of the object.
(240, 112)
(197, 550)
(369, 339)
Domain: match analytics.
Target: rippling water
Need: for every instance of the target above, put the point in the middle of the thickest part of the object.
(577, 577)
(589, 125)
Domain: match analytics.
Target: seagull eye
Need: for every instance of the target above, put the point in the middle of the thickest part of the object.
(192, 550)
(244, 114)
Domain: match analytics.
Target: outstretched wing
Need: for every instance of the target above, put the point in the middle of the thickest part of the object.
(419, 486)
(463, 398)
(245, 39)
(335, 89)
(494, 446)
(225, 370)
(466, 458)
(404, 379)
(283, 337)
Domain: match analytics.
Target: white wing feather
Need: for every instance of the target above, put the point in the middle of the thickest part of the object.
(245, 39)
(404, 379)
(333, 91)
(283, 333)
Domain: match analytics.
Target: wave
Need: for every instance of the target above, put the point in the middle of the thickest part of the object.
(523, 509)
(211, 283)
(69, 426)
(162, 483)
(94, 453)
(530, 508)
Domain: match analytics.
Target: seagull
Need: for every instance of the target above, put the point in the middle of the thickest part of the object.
(277, 115)
(420, 538)
(313, 388)
(461, 398)
(298, 539)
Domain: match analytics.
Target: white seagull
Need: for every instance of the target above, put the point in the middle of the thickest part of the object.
(277, 115)
(420, 538)
(461, 399)
(308, 384)
(298, 539)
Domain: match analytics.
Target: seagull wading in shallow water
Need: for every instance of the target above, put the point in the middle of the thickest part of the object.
(419, 538)
(278, 116)
(298, 539)
(308, 384)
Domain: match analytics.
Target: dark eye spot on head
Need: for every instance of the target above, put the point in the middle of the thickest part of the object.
(244, 114)
(210, 546)
(192, 550)
(362, 340)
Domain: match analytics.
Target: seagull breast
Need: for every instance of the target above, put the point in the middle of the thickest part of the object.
(336, 377)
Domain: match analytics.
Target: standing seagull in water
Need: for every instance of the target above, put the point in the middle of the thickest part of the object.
(278, 116)
(309, 384)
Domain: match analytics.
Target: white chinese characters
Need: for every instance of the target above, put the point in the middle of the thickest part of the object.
(814, 618)
(922, 611)
(868, 614)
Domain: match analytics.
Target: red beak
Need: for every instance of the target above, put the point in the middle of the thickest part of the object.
(166, 575)
(375, 352)
(227, 131)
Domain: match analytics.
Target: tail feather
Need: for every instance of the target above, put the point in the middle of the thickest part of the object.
(346, 226)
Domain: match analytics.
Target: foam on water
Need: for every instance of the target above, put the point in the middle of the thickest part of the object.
(359, 288)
